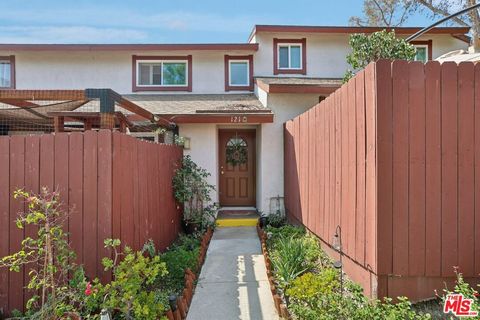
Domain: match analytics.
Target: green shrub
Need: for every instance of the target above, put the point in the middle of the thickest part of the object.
(177, 260)
(291, 258)
(311, 285)
(276, 220)
(287, 231)
(132, 293)
(192, 189)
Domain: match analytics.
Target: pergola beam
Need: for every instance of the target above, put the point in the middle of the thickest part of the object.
(49, 95)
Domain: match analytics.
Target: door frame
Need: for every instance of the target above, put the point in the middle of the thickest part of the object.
(254, 166)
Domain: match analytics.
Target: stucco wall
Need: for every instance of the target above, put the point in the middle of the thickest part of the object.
(270, 141)
(204, 149)
(326, 53)
(113, 69)
(84, 69)
(204, 146)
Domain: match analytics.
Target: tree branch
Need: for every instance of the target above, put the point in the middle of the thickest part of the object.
(380, 9)
(438, 11)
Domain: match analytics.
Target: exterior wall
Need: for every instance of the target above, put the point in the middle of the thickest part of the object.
(326, 53)
(113, 69)
(83, 69)
(203, 149)
(269, 174)
(270, 144)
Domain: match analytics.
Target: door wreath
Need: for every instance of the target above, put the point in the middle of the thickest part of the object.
(236, 151)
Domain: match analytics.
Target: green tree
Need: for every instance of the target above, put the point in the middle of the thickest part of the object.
(444, 8)
(384, 13)
(378, 45)
(46, 256)
(394, 13)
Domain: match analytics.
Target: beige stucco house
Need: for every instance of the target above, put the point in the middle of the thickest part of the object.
(220, 96)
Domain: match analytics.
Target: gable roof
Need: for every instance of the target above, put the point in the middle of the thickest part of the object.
(350, 29)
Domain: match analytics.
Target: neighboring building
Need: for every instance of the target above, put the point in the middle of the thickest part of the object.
(229, 100)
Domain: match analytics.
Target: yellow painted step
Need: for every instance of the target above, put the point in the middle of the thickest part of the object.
(247, 222)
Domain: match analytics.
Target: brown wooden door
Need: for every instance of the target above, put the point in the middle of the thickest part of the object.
(237, 167)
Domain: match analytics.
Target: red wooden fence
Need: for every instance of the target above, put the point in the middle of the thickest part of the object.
(113, 186)
(393, 157)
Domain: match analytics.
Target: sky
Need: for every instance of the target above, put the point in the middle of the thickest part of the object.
(161, 21)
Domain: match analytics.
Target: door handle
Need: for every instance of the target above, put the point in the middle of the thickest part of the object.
(222, 172)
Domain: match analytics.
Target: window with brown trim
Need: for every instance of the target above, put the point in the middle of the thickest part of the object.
(290, 56)
(239, 73)
(7, 72)
(424, 50)
(162, 73)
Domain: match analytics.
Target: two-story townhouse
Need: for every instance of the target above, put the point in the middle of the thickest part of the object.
(229, 100)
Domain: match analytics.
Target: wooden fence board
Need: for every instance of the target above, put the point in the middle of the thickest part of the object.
(4, 216)
(371, 184)
(466, 177)
(360, 170)
(416, 172)
(477, 168)
(17, 178)
(400, 167)
(75, 191)
(433, 170)
(449, 168)
(104, 200)
(352, 169)
(32, 185)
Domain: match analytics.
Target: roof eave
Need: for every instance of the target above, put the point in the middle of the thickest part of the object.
(130, 47)
(341, 29)
(297, 88)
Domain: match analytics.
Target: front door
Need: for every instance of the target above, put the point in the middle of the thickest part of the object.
(237, 167)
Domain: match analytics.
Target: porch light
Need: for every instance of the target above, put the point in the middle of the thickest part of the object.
(337, 245)
(186, 143)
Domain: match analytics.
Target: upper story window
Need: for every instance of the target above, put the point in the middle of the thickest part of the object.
(423, 50)
(289, 56)
(7, 72)
(162, 73)
(238, 73)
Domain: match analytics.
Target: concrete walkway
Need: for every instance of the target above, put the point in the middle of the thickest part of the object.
(233, 283)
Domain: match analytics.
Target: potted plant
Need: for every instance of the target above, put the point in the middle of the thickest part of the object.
(193, 191)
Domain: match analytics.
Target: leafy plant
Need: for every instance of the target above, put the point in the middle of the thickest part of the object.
(311, 285)
(181, 256)
(276, 220)
(132, 292)
(378, 45)
(46, 256)
(191, 188)
(290, 259)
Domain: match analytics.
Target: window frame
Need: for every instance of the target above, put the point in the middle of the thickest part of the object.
(11, 59)
(289, 47)
(228, 85)
(428, 44)
(136, 60)
(277, 43)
